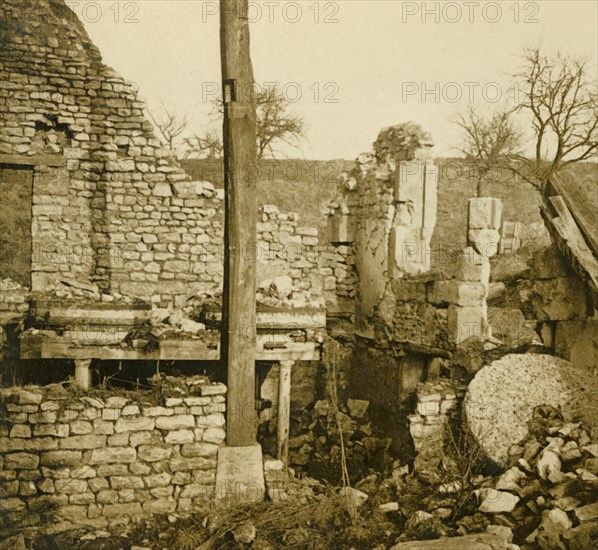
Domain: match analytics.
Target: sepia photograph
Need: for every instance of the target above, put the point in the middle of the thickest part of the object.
(298, 274)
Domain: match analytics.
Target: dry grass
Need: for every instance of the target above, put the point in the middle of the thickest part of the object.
(320, 522)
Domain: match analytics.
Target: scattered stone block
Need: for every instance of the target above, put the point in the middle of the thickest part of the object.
(245, 533)
(587, 513)
(496, 502)
(357, 407)
(355, 498)
(509, 480)
(479, 541)
(582, 537)
(466, 322)
(484, 213)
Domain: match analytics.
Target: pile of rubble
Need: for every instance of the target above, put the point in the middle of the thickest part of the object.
(181, 386)
(73, 289)
(315, 447)
(548, 496)
(280, 292)
(174, 320)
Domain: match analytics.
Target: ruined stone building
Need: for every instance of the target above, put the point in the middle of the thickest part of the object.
(110, 226)
(111, 237)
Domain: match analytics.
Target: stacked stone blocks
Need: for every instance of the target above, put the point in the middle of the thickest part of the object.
(436, 403)
(99, 460)
(468, 312)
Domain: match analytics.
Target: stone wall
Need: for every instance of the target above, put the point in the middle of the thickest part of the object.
(382, 219)
(13, 299)
(561, 303)
(408, 318)
(110, 203)
(108, 199)
(287, 249)
(92, 460)
(386, 211)
(436, 405)
(340, 268)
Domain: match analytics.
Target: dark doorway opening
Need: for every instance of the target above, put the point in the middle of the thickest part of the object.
(16, 189)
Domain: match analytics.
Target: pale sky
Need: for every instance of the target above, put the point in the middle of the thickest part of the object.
(351, 67)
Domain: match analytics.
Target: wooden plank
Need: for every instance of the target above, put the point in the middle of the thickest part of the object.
(46, 347)
(48, 304)
(34, 160)
(283, 420)
(569, 231)
(240, 221)
(581, 197)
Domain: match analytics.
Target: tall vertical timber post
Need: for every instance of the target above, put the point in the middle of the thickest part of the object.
(238, 349)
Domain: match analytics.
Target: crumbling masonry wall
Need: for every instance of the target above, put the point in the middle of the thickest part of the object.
(110, 203)
(91, 461)
(409, 319)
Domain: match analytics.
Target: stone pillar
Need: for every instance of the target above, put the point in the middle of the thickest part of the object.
(510, 237)
(483, 225)
(436, 402)
(468, 313)
(341, 225)
(82, 373)
(415, 201)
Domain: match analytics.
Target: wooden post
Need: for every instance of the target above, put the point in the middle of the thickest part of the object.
(82, 373)
(283, 421)
(238, 349)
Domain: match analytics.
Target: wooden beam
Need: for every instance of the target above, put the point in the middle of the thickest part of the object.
(581, 200)
(35, 160)
(38, 346)
(238, 316)
(570, 233)
(283, 422)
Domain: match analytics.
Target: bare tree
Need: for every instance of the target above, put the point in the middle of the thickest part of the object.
(563, 102)
(490, 142)
(275, 124)
(208, 145)
(169, 125)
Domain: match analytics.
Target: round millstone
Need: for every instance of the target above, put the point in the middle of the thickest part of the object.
(501, 398)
